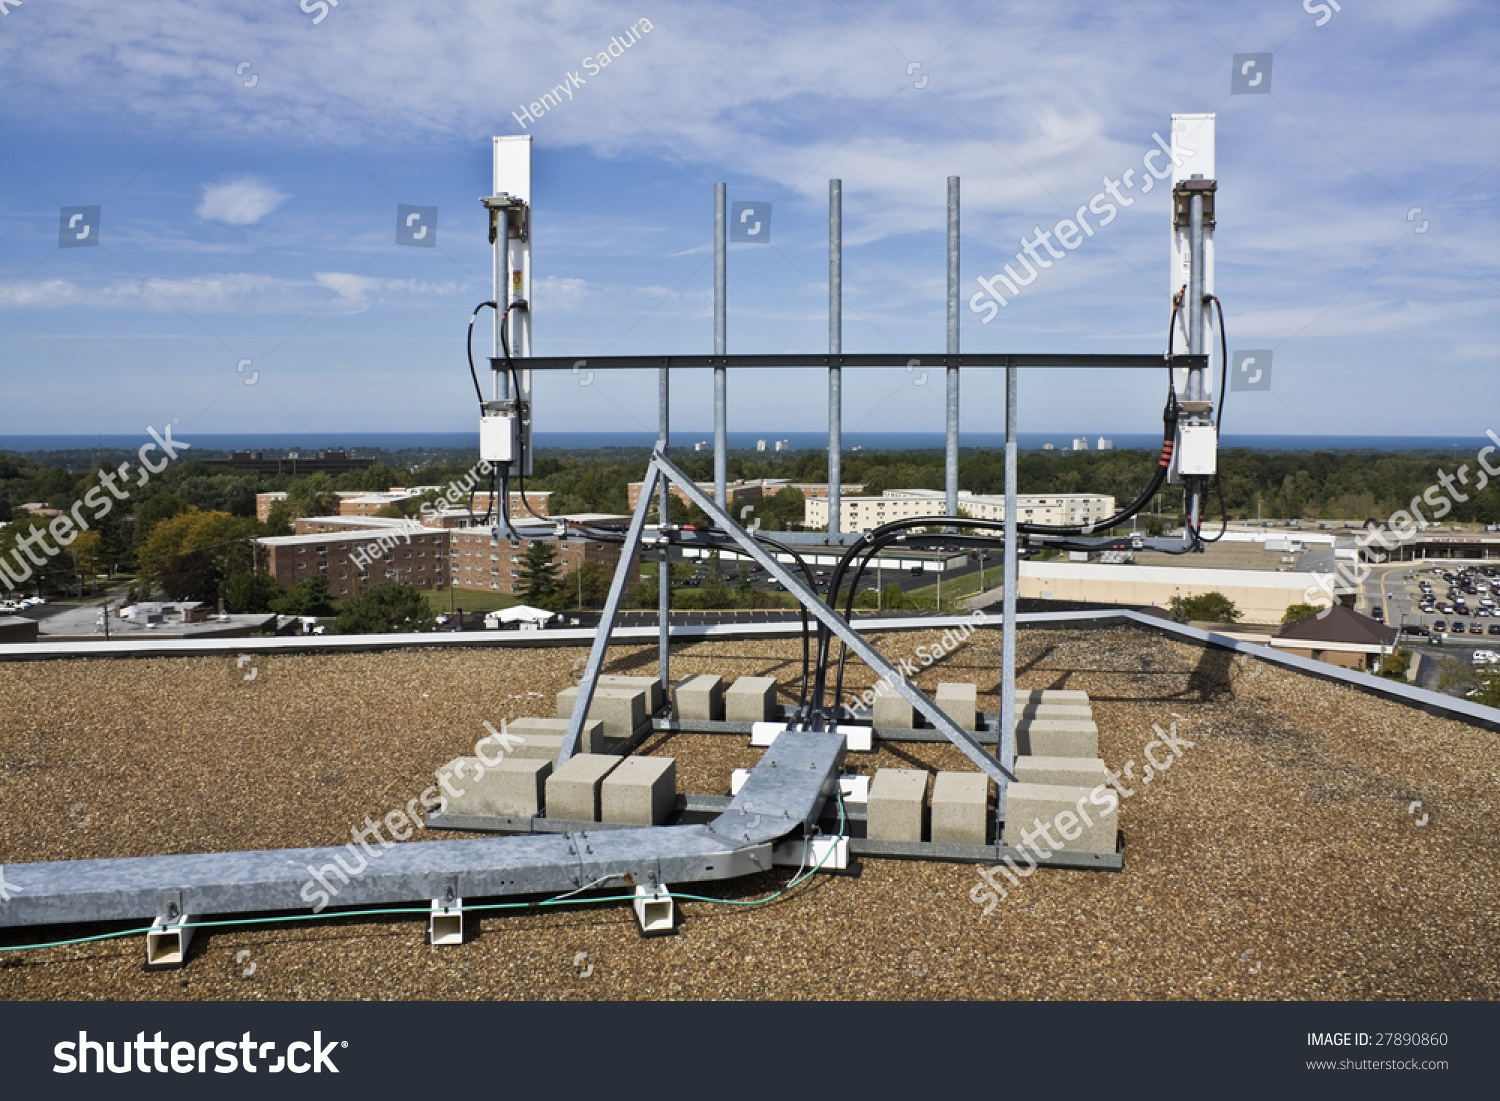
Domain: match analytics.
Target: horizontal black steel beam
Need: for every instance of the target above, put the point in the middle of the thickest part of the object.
(879, 359)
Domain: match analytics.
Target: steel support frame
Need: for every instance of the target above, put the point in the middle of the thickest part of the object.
(590, 679)
(836, 623)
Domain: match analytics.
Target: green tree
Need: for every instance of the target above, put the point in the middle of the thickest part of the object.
(715, 591)
(246, 592)
(306, 598)
(387, 608)
(22, 571)
(312, 496)
(1294, 612)
(538, 581)
(1206, 607)
(892, 596)
(1395, 664)
(188, 555)
(592, 579)
(190, 576)
(1487, 692)
(152, 511)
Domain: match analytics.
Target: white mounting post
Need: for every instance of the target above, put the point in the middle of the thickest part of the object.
(511, 224)
(1192, 155)
(1195, 457)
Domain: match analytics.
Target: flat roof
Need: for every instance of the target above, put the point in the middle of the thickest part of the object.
(337, 536)
(1254, 849)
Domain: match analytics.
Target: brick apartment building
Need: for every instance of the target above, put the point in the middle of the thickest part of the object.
(359, 502)
(423, 562)
(427, 557)
(747, 492)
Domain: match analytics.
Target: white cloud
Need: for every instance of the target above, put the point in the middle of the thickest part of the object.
(220, 292)
(240, 202)
(356, 292)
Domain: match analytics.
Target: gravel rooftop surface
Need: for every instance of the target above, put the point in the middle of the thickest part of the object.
(1279, 858)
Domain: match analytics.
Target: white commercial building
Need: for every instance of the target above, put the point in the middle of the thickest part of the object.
(864, 513)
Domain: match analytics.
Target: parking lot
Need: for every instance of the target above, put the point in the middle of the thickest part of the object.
(1412, 596)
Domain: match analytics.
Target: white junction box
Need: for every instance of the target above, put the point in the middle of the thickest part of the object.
(1197, 449)
(499, 432)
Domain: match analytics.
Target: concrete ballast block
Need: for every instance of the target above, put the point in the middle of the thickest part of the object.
(1070, 696)
(893, 712)
(590, 739)
(895, 808)
(1056, 738)
(960, 807)
(700, 697)
(621, 710)
(655, 697)
(750, 700)
(641, 791)
(1079, 712)
(1086, 772)
(1059, 818)
(573, 790)
(960, 702)
(511, 788)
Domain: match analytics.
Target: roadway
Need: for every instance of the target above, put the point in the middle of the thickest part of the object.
(1395, 590)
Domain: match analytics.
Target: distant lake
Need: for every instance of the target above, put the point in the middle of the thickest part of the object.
(365, 442)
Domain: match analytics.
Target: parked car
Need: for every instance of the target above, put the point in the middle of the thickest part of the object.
(1441, 626)
(1494, 629)
(1476, 628)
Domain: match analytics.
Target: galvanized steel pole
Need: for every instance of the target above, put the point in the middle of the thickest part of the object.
(951, 476)
(1005, 750)
(664, 564)
(721, 375)
(835, 346)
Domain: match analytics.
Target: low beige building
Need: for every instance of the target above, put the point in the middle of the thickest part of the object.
(1262, 596)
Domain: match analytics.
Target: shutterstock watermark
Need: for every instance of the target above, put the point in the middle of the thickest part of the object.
(922, 658)
(319, 890)
(594, 64)
(1404, 525)
(33, 549)
(1072, 232)
(1160, 753)
(457, 490)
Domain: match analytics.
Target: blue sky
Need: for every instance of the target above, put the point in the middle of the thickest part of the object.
(258, 222)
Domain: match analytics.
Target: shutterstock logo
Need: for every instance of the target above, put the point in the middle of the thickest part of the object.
(1251, 370)
(416, 225)
(79, 227)
(1251, 75)
(229, 1056)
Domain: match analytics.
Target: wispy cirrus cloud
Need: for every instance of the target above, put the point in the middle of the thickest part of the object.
(239, 202)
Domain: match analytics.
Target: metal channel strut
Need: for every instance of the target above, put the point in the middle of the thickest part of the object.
(788, 789)
(830, 618)
(1128, 361)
